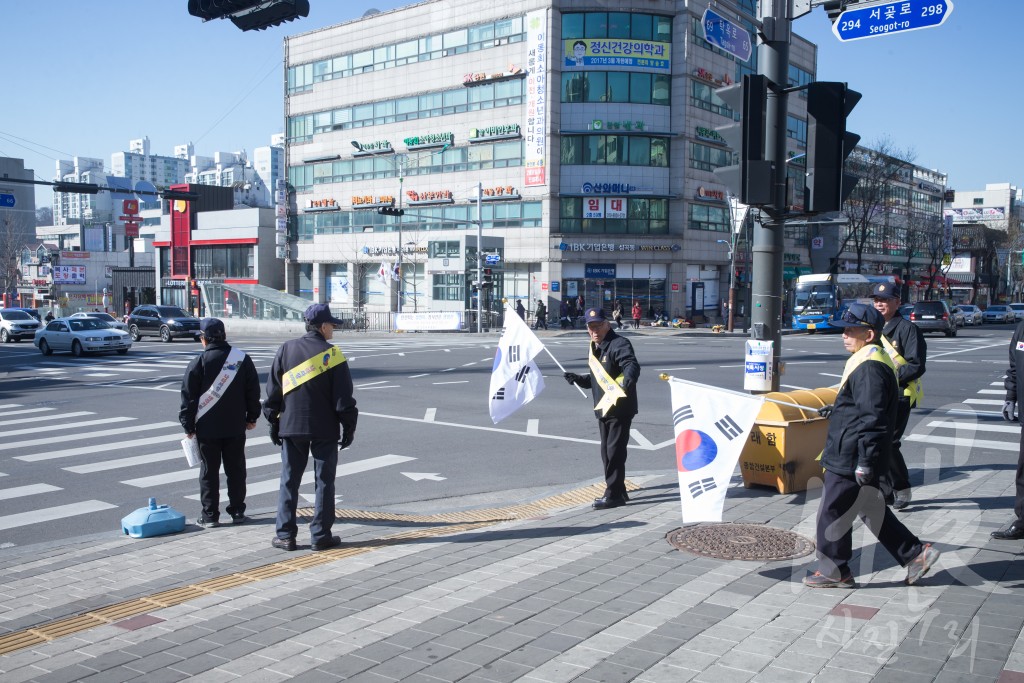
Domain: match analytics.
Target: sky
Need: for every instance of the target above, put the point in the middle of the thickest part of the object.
(84, 78)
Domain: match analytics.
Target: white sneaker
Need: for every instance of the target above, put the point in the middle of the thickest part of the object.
(902, 499)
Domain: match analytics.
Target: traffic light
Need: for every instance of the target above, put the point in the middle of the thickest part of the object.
(250, 15)
(390, 211)
(833, 8)
(76, 188)
(751, 179)
(828, 145)
(488, 278)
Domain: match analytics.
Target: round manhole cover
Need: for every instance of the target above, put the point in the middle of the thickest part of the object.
(740, 542)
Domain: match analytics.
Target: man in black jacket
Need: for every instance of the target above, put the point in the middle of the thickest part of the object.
(614, 372)
(1011, 413)
(856, 454)
(220, 401)
(310, 407)
(904, 342)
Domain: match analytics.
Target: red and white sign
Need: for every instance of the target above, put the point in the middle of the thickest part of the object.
(817, 243)
(675, 286)
(593, 207)
(544, 286)
(615, 207)
(131, 229)
(130, 207)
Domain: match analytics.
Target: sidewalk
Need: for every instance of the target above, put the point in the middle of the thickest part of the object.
(549, 591)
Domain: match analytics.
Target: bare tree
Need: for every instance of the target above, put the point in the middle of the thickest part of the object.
(44, 215)
(14, 235)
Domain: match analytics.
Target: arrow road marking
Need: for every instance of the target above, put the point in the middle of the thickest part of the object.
(420, 476)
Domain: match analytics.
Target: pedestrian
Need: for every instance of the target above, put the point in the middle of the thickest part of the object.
(857, 451)
(310, 407)
(49, 316)
(905, 344)
(637, 314)
(614, 372)
(563, 315)
(220, 401)
(617, 314)
(580, 304)
(520, 310)
(1011, 413)
(542, 316)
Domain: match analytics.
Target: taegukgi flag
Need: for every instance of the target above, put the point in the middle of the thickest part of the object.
(384, 273)
(515, 378)
(711, 427)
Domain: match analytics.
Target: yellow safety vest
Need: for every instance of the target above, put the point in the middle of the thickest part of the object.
(869, 352)
(612, 387)
(914, 389)
(314, 367)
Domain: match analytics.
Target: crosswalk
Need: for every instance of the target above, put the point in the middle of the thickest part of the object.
(59, 465)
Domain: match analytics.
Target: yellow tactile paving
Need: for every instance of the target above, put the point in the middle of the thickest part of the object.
(454, 522)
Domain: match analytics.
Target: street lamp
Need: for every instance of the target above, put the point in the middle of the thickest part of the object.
(399, 165)
(732, 278)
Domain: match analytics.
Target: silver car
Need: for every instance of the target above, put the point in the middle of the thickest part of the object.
(998, 313)
(80, 336)
(16, 325)
(105, 317)
(972, 314)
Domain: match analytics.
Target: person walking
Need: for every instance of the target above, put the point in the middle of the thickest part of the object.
(520, 310)
(617, 314)
(1011, 413)
(563, 315)
(310, 406)
(542, 316)
(637, 314)
(220, 401)
(857, 451)
(614, 372)
(905, 344)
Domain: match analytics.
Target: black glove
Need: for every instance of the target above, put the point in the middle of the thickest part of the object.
(865, 475)
(572, 378)
(348, 421)
(1008, 409)
(826, 411)
(275, 437)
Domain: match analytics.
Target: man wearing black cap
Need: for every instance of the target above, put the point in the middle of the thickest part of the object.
(857, 451)
(614, 372)
(1011, 413)
(220, 401)
(311, 409)
(904, 342)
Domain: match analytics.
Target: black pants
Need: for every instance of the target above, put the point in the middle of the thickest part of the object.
(542, 324)
(841, 501)
(614, 439)
(294, 456)
(898, 477)
(636, 323)
(231, 452)
(1018, 503)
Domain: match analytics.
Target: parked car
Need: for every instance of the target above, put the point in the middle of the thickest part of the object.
(1018, 311)
(80, 336)
(958, 316)
(998, 313)
(34, 312)
(105, 317)
(933, 316)
(166, 322)
(972, 314)
(16, 324)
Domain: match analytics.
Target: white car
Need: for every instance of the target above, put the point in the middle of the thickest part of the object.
(16, 324)
(1018, 311)
(100, 315)
(80, 336)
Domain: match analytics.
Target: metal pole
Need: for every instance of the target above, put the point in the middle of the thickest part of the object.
(479, 255)
(768, 247)
(400, 166)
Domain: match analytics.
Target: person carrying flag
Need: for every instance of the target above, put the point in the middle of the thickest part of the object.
(614, 372)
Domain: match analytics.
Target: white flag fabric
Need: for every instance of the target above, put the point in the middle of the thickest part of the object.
(515, 378)
(396, 272)
(711, 427)
(384, 272)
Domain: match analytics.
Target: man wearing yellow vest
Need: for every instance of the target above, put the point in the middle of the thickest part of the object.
(857, 451)
(310, 406)
(904, 342)
(614, 372)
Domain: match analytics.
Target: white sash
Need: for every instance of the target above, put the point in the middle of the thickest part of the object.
(227, 373)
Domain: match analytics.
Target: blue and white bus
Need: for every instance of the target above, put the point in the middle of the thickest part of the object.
(815, 299)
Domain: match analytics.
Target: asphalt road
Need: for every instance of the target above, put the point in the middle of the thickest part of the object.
(84, 442)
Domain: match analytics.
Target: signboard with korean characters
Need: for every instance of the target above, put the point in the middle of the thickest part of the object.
(69, 275)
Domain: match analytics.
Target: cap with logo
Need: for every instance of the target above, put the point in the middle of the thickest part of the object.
(860, 315)
(318, 314)
(885, 290)
(595, 315)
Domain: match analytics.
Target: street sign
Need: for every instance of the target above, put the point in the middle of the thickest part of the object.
(492, 259)
(7, 201)
(727, 35)
(892, 17)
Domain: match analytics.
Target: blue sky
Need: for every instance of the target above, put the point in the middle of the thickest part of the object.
(84, 78)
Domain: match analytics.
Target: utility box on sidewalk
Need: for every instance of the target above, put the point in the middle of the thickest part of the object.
(785, 442)
(153, 520)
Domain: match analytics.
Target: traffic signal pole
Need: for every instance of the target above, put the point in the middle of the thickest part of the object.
(768, 244)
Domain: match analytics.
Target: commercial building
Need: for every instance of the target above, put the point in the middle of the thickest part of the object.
(590, 133)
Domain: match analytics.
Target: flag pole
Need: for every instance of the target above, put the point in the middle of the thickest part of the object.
(582, 393)
(809, 409)
(512, 311)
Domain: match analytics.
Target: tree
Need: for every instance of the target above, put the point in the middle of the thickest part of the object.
(13, 237)
(44, 215)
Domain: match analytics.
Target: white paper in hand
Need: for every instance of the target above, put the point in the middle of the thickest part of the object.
(191, 448)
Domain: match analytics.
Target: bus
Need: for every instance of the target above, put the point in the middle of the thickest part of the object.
(815, 299)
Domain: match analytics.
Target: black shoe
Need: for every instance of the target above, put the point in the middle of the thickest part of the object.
(240, 518)
(283, 543)
(326, 543)
(1014, 533)
(207, 522)
(608, 502)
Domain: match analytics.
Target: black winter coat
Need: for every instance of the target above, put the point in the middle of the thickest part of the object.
(908, 340)
(1016, 361)
(617, 358)
(239, 405)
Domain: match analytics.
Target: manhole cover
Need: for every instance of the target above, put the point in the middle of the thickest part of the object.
(740, 542)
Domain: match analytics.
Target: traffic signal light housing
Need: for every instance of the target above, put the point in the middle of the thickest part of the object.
(487, 280)
(751, 179)
(390, 211)
(250, 15)
(828, 146)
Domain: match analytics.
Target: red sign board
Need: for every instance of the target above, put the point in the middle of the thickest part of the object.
(130, 207)
(675, 286)
(131, 229)
(544, 286)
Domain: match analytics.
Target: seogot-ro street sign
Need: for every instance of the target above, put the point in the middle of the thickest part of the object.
(891, 17)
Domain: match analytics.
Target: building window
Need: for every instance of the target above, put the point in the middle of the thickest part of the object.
(643, 217)
(616, 86)
(617, 25)
(708, 158)
(444, 249)
(615, 150)
(449, 287)
(234, 262)
(706, 217)
(702, 96)
(979, 201)
(506, 214)
(796, 129)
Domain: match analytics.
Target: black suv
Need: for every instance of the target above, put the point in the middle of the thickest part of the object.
(933, 316)
(166, 322)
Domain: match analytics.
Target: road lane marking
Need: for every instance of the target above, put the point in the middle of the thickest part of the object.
(6, 446)
(67, 425)
(993, 391)
(190, 474)
(25, 411)
(68, 452)
(27, 490)
(1005, 429)
(119, 463)
(984, 401)
(533, 426)
(57, 416)
(458, 381)
(429, 415)
(54, 513)
(422, 374)
(970, 443)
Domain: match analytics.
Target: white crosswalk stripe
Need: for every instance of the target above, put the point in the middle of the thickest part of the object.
(28, 490)
(53, 513)
(6, 446)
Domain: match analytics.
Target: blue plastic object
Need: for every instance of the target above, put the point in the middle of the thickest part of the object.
(155, 520)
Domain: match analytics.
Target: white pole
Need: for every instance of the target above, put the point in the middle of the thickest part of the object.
(479, 255)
